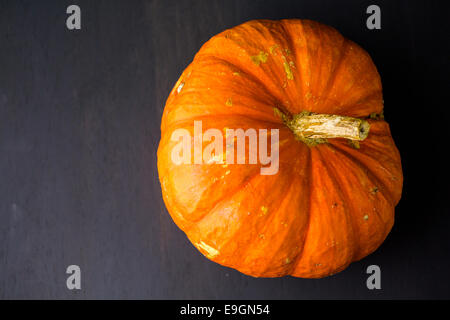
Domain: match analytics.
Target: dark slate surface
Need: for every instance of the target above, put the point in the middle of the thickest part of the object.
(79, 128)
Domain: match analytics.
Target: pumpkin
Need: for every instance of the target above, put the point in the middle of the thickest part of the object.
(339, 178)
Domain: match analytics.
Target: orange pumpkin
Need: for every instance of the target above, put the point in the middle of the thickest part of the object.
(332, 200)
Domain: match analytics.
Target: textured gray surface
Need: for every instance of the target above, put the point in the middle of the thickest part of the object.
(79, 129)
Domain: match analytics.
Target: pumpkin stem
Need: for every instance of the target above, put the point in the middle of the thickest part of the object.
(314, 128)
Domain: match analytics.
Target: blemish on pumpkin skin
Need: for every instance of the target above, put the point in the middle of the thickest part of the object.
(332, 243)
(273, 48)
(376, 116)
(261, 57)
(334, 205)
(374, 190)
(277, 112)
(180, 87)
(264, 210)
(354, 144)
(287, 260)
(236, 74)
(366, 217)
(164, 183)
(229, 102)
(287, 69)
(261, 236)
(210, 251)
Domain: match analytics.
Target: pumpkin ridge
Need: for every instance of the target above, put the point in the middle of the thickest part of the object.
(342, 192)
(291, 47)
(316, 31)
(319, 56)
(238, 266)
(242, 74)
(275, 251)
(268, 223)
(379, 183)
(311, 177)
(369, 172)
(332, 78)
(365, 98)
(247, 72)
(221, 200)
(230, 194)
(349, 224)
(300, 85)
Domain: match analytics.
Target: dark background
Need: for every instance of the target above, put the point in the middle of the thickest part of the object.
(79, 129)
